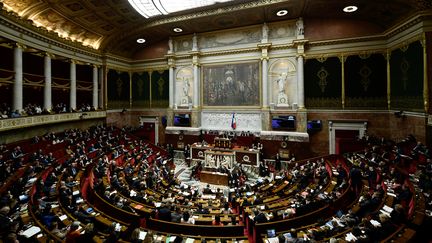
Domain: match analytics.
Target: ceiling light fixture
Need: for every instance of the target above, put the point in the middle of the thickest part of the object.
(140, 40)
(350, 9)
(178, 30)
(282, 12)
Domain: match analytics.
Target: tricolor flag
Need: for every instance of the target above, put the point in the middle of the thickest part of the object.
(233, 122)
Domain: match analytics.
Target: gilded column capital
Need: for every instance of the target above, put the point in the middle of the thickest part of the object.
(195, 60)
(264, 58)
(342, 58)
(171, 63)
(20, 46)
(49, 54)
(423, 40)
(387, 55)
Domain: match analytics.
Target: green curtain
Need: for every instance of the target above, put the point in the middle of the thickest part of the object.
(323, 83)
(141, 90)
(366, 82)
(160, 89)
(118, 89)
(406, 65)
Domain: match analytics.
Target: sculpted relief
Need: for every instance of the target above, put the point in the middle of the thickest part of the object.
(222, 121)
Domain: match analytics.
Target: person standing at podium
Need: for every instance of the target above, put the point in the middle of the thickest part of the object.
(186, 150)
(278, 163)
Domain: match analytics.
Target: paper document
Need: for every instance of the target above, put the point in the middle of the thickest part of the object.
(31, 231)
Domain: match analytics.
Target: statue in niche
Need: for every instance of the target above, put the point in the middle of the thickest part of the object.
(186, 86)
(300, 29)
(281, 82)
(282, 99)
(185, 99)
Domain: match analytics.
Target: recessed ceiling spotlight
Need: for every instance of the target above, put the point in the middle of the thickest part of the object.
(178, 30)
(282, 12)
(350, 9)
(140, 40)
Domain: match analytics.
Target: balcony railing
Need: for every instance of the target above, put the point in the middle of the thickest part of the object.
(29, 121)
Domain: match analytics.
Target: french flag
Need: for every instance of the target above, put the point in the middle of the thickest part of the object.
(233, 122)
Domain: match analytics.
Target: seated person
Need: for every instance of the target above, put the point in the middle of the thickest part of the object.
(187, 218)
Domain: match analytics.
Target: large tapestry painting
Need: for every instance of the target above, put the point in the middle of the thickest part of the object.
(231, 85)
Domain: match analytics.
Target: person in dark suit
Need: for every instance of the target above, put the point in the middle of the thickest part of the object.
(260, 217)
(278, 163)
(207, 190)
(356, 179)
(176, 215)
(164, 212)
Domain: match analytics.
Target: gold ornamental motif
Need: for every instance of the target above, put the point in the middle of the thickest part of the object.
(365, 73)
(322, 74)
(161, 83)
(404, 67)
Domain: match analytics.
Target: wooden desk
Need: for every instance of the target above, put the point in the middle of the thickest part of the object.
(242, 154)
(214, 178)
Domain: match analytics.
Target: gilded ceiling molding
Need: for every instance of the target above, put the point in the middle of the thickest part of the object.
(43, 16)
(407, 23)
(404, 45)
(362, 54)
(345, 41)
(150, 69)
(26, 28)
(253, 4)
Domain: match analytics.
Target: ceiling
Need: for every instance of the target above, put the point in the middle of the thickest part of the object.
(113, 26)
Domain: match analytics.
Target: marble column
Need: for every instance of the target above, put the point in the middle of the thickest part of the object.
(265, 102)
(18, 82)
(196, 81)
(72, 104)
(95, 86)
(171, 87)
(101, 90)
(300, 81)
(48, 81)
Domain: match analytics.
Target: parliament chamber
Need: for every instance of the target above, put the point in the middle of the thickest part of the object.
(215, 121)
